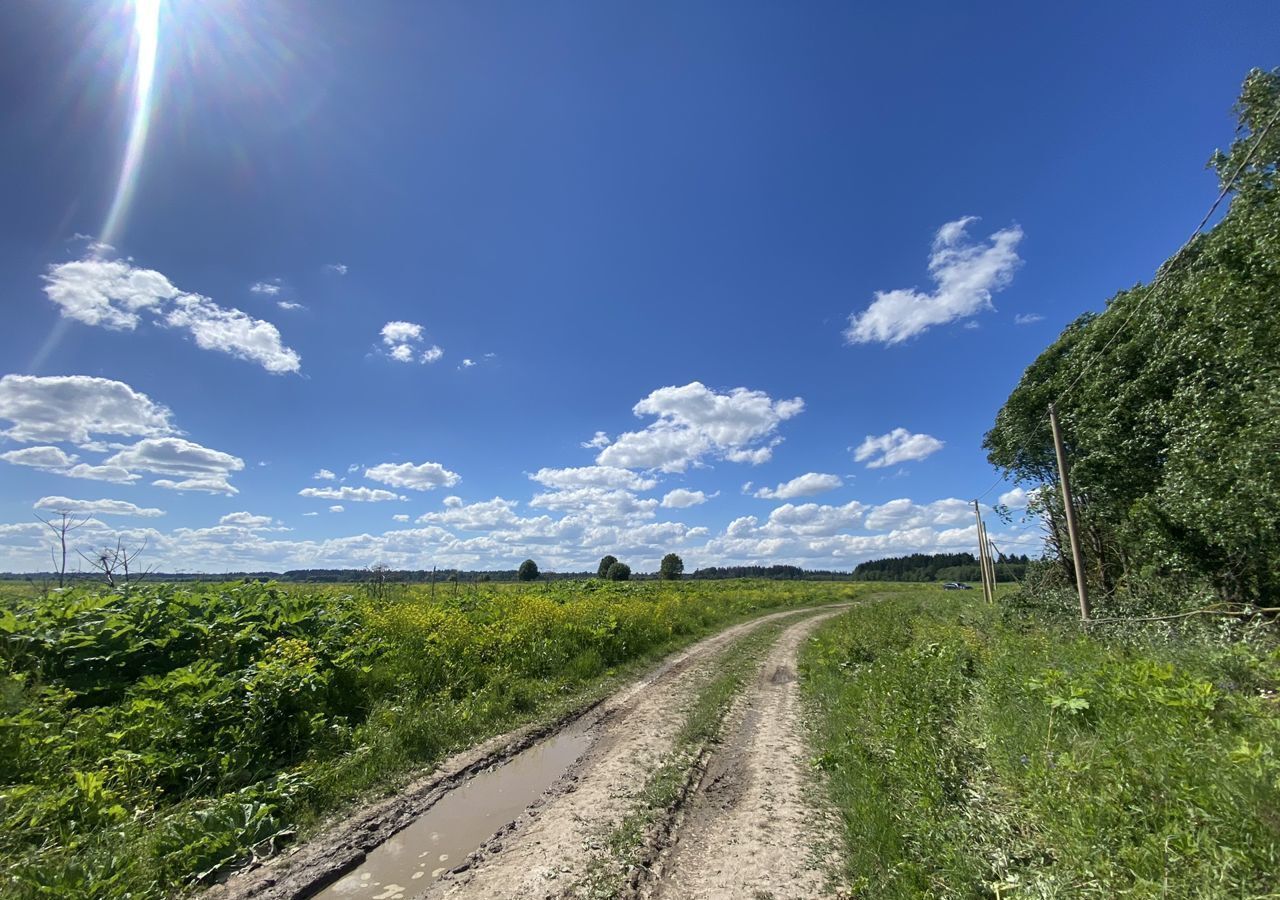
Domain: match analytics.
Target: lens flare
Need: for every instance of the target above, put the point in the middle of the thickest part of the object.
(146, 32)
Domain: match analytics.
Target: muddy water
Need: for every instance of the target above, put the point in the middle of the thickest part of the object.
(460, 821)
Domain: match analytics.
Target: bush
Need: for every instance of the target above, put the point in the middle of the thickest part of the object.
(528, 570)
(619, 572)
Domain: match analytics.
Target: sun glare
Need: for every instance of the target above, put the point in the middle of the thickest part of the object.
(146, 36)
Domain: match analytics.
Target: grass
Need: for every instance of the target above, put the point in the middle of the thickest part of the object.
(975, 751)
(608, 871)
(151, 738)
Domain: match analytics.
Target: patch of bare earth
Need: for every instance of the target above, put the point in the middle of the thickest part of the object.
(756, 827)
(548, 848)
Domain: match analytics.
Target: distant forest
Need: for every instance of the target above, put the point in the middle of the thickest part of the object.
(916, 567)
(938, 567)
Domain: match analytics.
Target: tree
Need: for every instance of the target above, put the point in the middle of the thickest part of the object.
(63, 525)
(528, 570)
(602, 571)
(672, 568)
(619, 571)
(1169, 398)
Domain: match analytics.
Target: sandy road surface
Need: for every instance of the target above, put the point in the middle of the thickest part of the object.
(550, 846)
(755, 827)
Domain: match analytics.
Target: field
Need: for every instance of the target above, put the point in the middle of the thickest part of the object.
(976, 751)
(151, 738)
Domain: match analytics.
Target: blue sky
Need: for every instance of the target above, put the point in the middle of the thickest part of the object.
(556, 280)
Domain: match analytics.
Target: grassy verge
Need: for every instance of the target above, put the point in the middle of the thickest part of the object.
(977, 752)
(608, 872)
(154, 737)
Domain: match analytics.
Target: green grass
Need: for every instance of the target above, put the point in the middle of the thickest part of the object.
(153, 737)
(976, 751)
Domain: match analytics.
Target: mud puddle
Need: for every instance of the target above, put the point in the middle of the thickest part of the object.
(442, 837)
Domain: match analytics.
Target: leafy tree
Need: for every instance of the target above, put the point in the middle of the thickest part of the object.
(528, 570)
(619, 571)
(672, 567)
(1173, 424)
(605, 562)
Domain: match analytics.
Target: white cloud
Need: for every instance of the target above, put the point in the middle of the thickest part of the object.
(112, 294)
(270, 288)
(73, 407)
(54, 459)
(597, 504)
(1027, 318)
(467, 364)
(324, 475)
(209, 484)
(401, 340)
(108, 293)
(289, 305)
(339, 268)
(1019, 498)
(805, 485)
(177, 457)
(312, 513)
(965, 276)
(359, 495)
(116, 474)
(600, 441)
(486, 515)
(233, 332)
(681, 498)
(40, 457)
(247, 520)
(594, 476)
(424, 477)
(337, 508)
(814, 518)
(401, 333)
(96, 507)
(903, 513)
(897, 446)
(400, 517)
(694, 421)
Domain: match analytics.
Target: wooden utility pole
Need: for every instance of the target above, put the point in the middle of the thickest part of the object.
(1082, 589)
(991, 559)
(988, 593)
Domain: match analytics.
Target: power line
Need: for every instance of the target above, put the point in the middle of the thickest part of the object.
(1159, 281)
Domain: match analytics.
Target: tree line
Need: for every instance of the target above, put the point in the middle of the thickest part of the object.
(1170, 402)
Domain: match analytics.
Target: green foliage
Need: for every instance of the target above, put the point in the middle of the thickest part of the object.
(1172, 430)
(977, 748)
(672, 567)
(602, 571)
(528, 571)
(152, 737)
(618, 572)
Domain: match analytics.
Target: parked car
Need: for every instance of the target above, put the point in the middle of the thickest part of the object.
(956, 586)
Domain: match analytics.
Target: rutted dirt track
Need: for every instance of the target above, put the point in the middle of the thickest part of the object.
(750, 827)
(755, 827)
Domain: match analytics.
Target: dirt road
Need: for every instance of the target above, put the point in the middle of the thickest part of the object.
(571, 813)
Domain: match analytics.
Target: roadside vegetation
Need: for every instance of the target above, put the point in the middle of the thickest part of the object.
(151, 737)
(1170, 406)
(981, 751)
